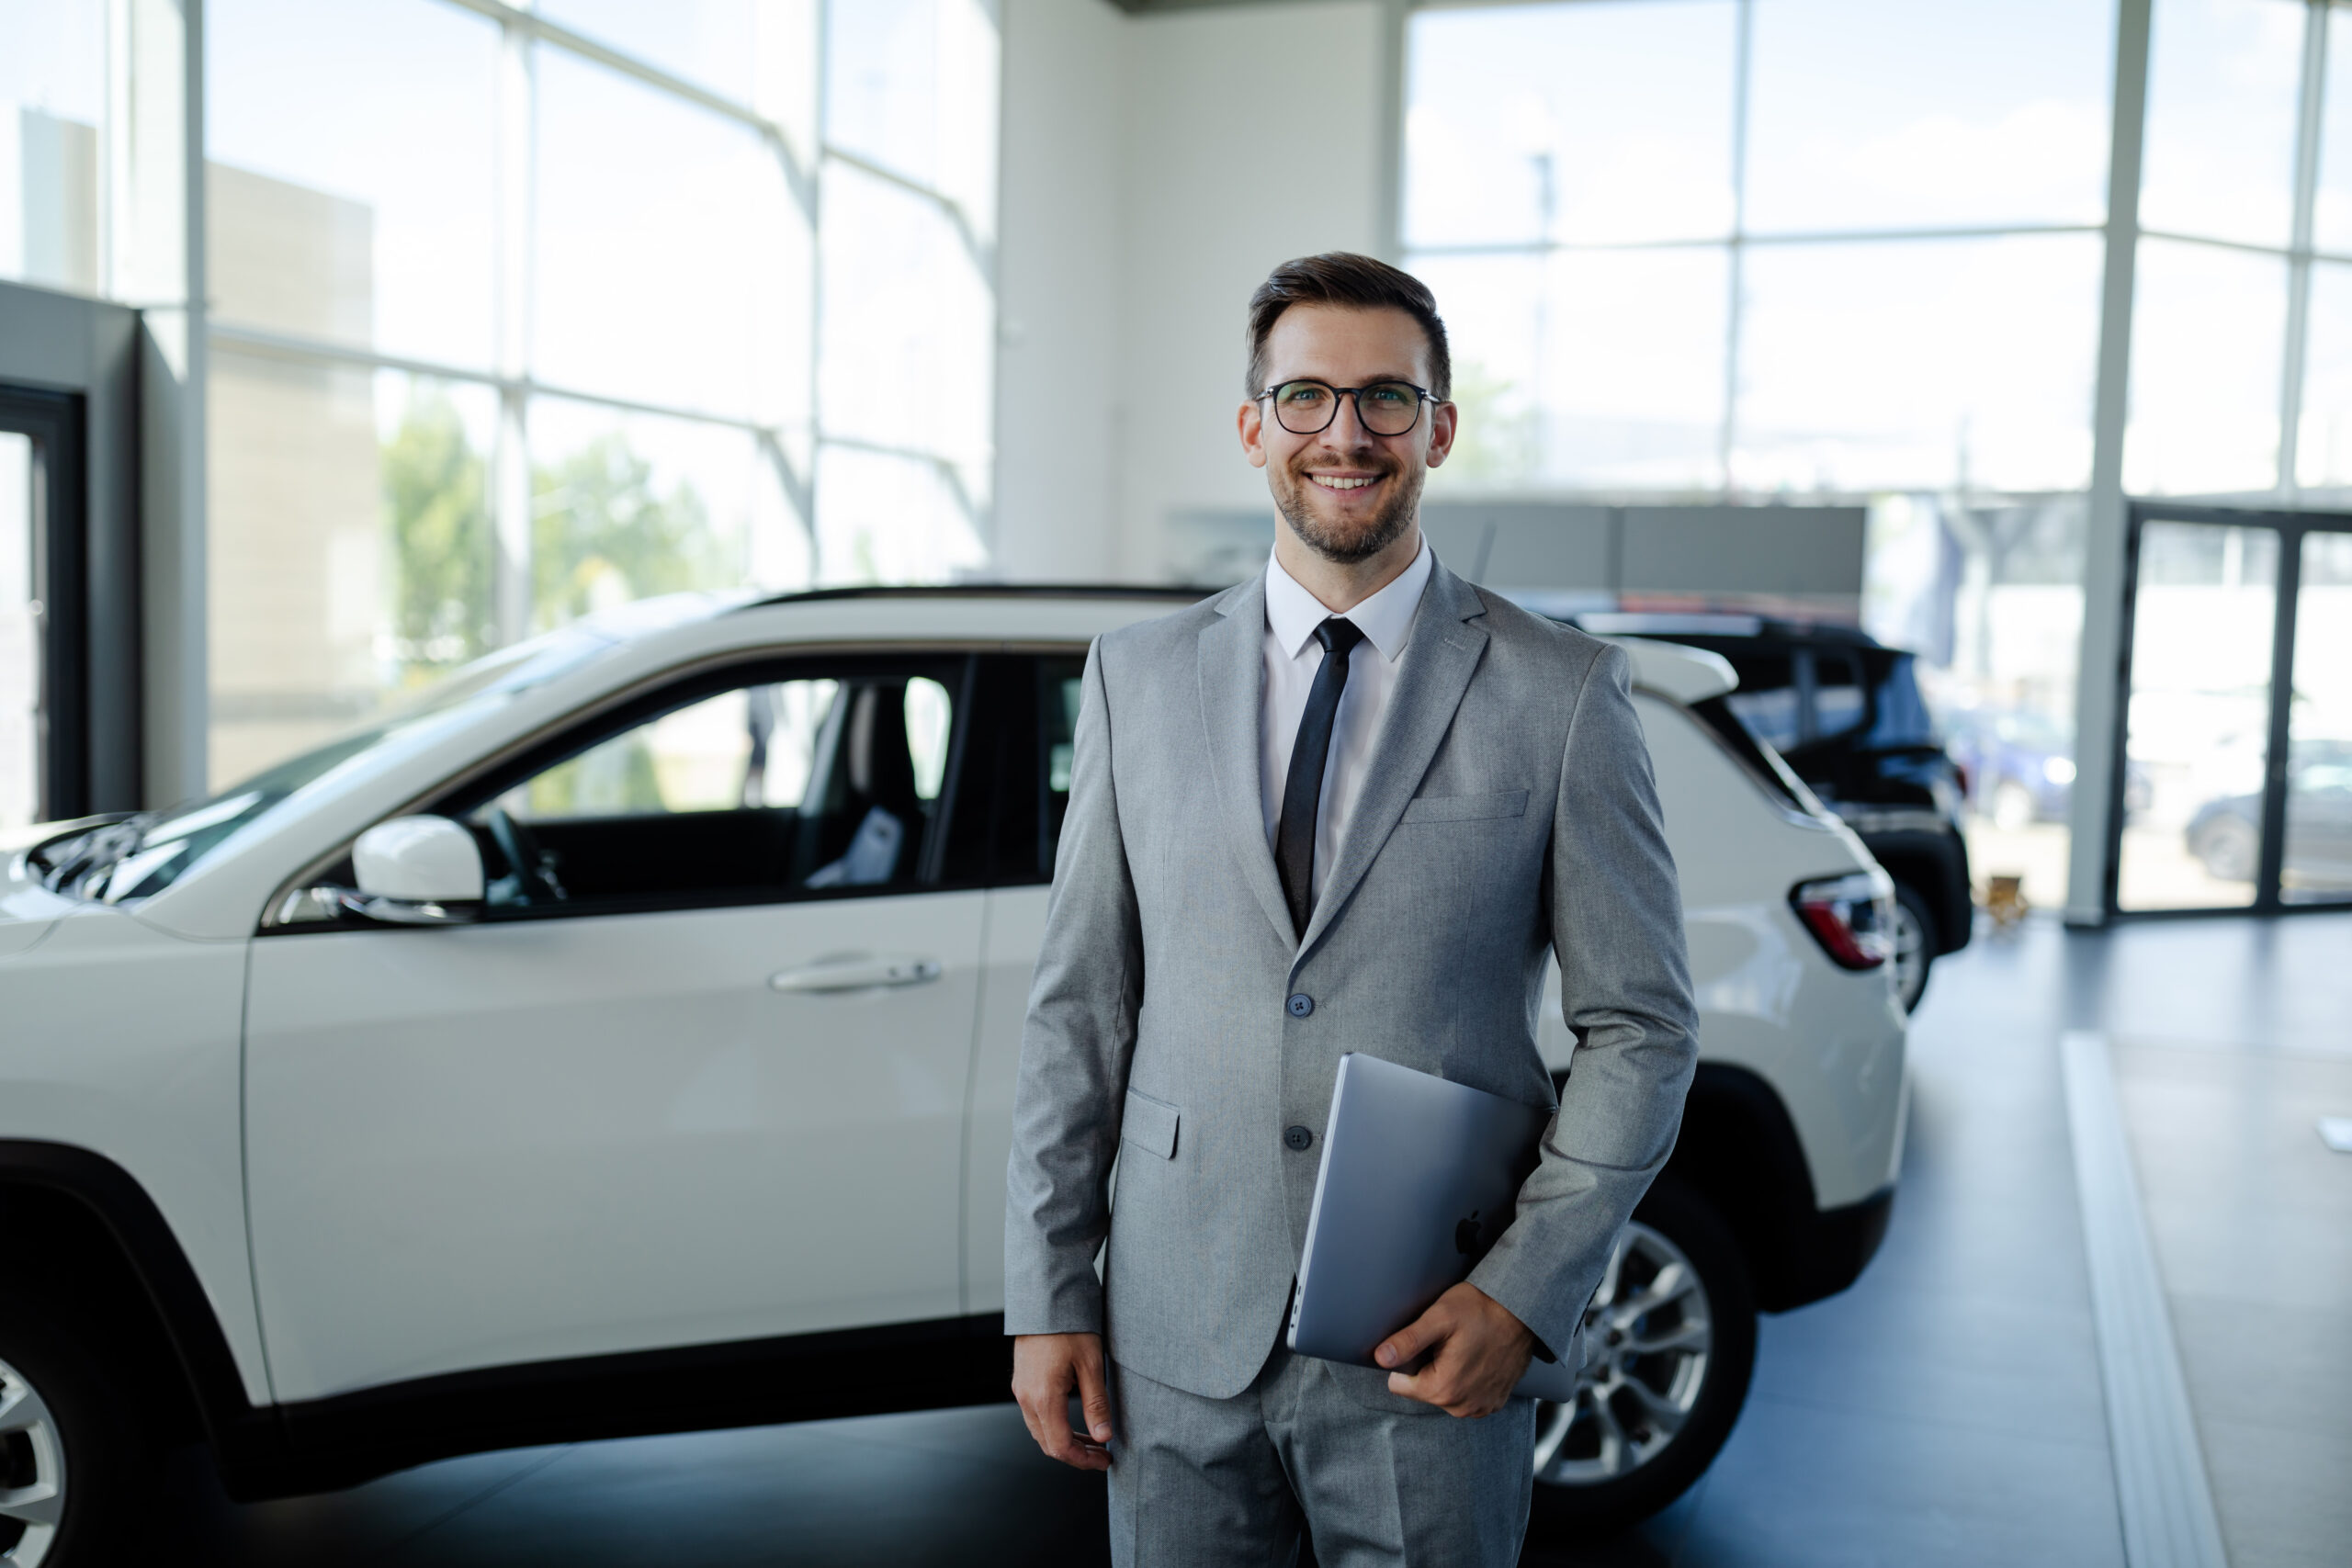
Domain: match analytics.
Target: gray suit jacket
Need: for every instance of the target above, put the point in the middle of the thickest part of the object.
(1507, 812)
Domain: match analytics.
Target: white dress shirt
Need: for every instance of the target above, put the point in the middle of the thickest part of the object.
(1292, 655)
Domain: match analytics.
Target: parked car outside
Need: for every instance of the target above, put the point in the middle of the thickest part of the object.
(622, 1040)
(2018, 766)
(1847, 715)
(2225, 833)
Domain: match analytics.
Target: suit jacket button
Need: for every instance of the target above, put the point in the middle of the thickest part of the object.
(1298, 1138)
(1301, 1004)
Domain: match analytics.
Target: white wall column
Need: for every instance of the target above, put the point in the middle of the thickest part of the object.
(2097, 708)
(155, 262)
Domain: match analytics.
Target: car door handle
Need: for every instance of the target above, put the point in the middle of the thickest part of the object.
(855, 975)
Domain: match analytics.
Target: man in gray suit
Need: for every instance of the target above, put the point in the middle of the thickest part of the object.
(1352, 804)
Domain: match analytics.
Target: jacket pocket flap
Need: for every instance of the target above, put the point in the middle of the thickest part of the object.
(1149, 1125)
(1466, 807)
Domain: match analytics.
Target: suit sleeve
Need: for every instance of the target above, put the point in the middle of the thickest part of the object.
(1075, 1051)
(1616, 917)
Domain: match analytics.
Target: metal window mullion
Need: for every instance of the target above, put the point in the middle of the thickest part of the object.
(511, 566)
(1811, 237)
(1388, 224)
(816, 294)
(2311, 104)
(2288, 579)
(251, 341)
(1737, 248)
(530, 25)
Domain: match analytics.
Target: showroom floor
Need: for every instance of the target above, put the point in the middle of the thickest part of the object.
(1947, 1410)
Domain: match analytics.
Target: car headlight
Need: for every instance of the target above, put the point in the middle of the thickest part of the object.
(1852, 916)
(2058, 770)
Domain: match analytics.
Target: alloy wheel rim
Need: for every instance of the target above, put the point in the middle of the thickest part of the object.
(1649, 1339)
(32, 1473)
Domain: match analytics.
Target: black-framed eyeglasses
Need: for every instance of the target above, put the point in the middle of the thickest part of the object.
(1384, 408)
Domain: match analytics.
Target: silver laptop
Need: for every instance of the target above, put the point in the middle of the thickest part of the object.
(1419, 1177)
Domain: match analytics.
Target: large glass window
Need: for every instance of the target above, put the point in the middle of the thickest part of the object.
(516, 316)
(1616, 243)
(2324, 451)
(1917, 114)
(712, 43)
(352, 556)
(1961, 363)
(1799, 250)
(2220, 160)
(2209, 328)
(1593, 122)
(649, 210)
(351, 198)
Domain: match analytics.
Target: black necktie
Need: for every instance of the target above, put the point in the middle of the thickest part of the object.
(1302, 790)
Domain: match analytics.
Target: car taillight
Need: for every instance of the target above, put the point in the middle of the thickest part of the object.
(1852, 916)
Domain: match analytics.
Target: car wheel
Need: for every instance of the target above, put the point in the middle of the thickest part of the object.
(2013, 807)
(2231, 847)
(73, 1454)
(1670, 1341)
(1914, 945)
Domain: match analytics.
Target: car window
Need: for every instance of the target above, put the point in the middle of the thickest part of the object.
(1839, 704)
(1766, 700)
(816, 782)
(1901, 717)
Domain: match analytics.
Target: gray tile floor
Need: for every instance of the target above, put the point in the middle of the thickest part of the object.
(2251, 1216)
(1947, 1410)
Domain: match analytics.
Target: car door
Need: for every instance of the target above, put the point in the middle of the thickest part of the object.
(1037, 698)
(697, 1076)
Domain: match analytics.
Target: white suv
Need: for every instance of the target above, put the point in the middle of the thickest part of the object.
(623, 1040)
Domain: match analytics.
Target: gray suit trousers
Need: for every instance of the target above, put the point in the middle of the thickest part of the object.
(1206, 1483)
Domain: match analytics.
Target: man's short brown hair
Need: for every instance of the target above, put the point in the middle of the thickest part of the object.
(1355, 283)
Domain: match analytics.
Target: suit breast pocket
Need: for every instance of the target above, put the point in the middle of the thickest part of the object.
(1150, 1126)
(1466, 807)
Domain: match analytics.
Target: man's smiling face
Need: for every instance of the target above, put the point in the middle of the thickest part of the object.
(1346, 492)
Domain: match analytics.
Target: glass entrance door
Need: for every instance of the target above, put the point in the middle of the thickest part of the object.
(2315, 858)
(2234, 788)
(44, 772)
(20, 608)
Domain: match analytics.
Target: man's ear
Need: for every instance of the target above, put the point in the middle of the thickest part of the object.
(1252, 426)
(1445, 420)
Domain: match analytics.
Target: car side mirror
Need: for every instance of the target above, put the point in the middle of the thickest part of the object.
(418, 871)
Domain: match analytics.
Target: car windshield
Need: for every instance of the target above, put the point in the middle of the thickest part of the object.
(141, 856)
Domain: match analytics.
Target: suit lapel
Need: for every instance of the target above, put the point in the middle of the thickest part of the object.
(1438, 661)
(1232, 683)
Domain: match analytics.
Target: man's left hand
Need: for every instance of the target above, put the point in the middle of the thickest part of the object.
(1480, 1353)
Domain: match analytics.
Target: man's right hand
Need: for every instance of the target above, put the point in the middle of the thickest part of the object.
(1047, 1369)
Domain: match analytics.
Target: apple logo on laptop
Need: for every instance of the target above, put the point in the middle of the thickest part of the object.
(1465, 1234)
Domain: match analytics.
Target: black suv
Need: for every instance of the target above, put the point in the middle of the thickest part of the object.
(1844, 712)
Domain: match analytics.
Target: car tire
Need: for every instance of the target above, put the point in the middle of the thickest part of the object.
(1601, 1463)
(1916, 939)
(75, 1458)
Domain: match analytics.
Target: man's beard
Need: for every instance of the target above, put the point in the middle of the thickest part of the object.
(1362, 541)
